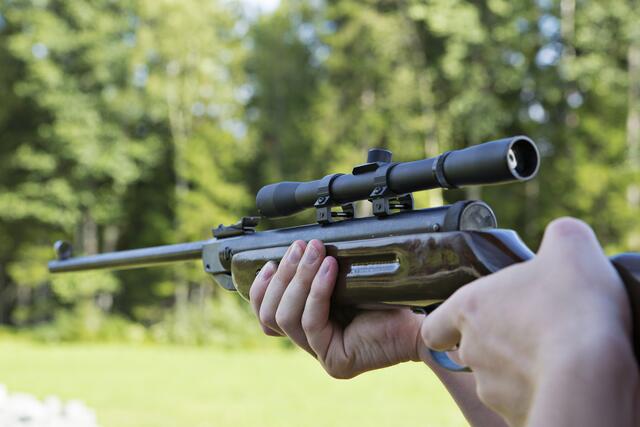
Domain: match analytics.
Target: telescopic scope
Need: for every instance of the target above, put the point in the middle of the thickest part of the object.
(510, 159)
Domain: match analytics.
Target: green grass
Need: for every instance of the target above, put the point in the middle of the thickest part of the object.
(196, 387)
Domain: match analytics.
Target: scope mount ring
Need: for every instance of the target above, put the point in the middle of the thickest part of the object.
(324, 202)
(382, 198)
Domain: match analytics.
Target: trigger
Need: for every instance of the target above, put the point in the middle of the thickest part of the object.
(426, 309)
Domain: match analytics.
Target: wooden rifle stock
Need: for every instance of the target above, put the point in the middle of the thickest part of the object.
(423, 269)
(628, 266)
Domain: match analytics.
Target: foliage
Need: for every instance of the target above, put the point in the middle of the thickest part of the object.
(129, 124)
(220, 322)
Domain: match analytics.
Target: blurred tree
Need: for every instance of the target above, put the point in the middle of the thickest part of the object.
(482, 70)
(121, 129)
(599, 126)
(127, 124)
(283, 87)
(187, 60)
(71, 131)
(421, 78)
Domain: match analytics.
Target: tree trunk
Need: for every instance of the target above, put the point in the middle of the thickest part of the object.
(110, 236)
(7, 291)
(633, 135)
(432, 147)
(180, 124)
(633, 117)
(568, 26)
(88, 234)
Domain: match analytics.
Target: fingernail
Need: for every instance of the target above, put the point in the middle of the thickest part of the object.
(311, 254)
(267, 271)
(324, 269)
(295, 254)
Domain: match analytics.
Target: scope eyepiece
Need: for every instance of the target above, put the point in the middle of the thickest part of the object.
(505, 160)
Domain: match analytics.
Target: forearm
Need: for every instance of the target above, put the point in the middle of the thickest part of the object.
(462, 387)
(580, 391)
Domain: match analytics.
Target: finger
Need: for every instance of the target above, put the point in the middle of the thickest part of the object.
(318, 328)
(440, 330)
(279, 282)
(289, 313)
(569, 236)
(576, 244)
(257, 291)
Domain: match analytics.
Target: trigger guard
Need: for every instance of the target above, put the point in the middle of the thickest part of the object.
(442, 359)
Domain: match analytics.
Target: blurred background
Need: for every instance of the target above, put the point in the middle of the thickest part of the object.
(135, 123)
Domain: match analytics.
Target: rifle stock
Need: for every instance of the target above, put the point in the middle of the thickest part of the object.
(423, 269)
(411, 270)
(628, 267)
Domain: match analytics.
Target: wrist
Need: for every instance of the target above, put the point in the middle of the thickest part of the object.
(577, 387)
(604, 343)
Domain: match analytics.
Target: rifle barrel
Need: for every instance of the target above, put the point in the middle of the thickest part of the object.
(135, 258)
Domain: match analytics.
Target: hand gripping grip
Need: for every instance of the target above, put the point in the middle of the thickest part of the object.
(627, 266)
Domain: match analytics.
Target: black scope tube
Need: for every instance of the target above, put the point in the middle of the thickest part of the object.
(510, 159)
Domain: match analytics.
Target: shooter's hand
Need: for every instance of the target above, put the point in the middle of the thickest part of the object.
(548, 340)
(294, 300)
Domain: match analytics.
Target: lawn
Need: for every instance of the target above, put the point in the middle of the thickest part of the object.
(131, 386)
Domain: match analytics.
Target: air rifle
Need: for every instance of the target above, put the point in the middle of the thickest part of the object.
(396, 257)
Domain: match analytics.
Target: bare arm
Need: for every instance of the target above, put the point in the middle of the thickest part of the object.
(462, 388)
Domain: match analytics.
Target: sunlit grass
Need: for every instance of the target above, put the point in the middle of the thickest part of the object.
(176, 386)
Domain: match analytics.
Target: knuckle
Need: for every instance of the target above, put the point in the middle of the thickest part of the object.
(493, 396)
(308, 325)
(304, 276)
(306, 271)
(486, 394)
(287, 272)
(468, 304)
(426, 334)
(253, 291)
(284, 318)
(581, 251)
(268, 319)
(283, 270)
(269, 332)
(299, 246)
(569, 227)
(464, 355)
(339, 366)
(339, 372)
